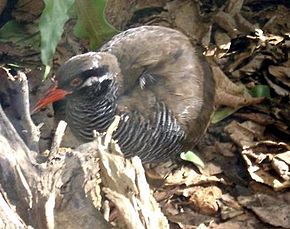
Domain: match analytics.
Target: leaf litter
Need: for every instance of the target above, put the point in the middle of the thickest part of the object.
(247, 146)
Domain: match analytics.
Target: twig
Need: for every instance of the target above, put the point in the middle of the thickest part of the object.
(57, 138)
(112, 128)
(106, 208)
(32, 132)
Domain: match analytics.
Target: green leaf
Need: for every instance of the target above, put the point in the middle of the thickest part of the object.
(192, 157)
(46, 71)
(52, 20)
(261, 91)
(92, 23)
(222, 113)
(22, 35)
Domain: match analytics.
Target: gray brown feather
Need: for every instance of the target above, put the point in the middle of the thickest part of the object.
(162, 88)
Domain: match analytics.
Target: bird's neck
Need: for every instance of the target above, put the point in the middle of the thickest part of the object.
(91, 110)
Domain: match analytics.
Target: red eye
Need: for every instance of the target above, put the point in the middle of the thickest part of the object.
(75, 82)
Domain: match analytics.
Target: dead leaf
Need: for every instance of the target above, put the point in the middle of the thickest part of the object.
(230, 94)
(281, 164)
(188, 219)
(257, 117)
(27, 10)
(282, 77)
(188, 176)
(212, 169)
(222, 40)
(264, 158)
(227, 22)
(227, 149)
(277, 20)
(264, 206)
(234, 6)
(204, 199)
(229, 207)
(244, 25)
(252, 66)
(244, 134)
(244, 221)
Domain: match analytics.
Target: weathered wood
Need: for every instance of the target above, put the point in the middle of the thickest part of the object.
(64, 191)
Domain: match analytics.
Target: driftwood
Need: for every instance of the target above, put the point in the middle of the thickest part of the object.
(66, 190)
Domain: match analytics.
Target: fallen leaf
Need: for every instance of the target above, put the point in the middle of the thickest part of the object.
(230, 94)
(229, 207)
(267, 165)
(261, 91)
(264, 206)
(221, 113)
(188, 176)
(203, 199)
(244, 134)
(192, 157)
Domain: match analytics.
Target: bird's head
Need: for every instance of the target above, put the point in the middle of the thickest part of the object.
(93, 69)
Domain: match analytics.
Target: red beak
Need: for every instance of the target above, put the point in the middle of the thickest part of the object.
(53, 94)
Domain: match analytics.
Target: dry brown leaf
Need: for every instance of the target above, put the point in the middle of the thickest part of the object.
(260, 118)
(269, 209)
(244, 25)
(244, 221)
(229, 225)
(277, 20)
(279, 90)
(275, 118)
(212, 169)
(28, 10)
(229, 207)
(241, 57)
(188, 219)
(224, 83)
(252, 66)
(230, 94)
(262, 46)
(244, 134)
(227, 149)
(234, 6)
(282, 77)
(284, 156)
(188, 176)
(157, 174)
(227, 22)
(204, 199)
(222, 40)
(269, 163)
(281, 164)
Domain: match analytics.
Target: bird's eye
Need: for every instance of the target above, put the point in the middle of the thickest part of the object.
(75, 82)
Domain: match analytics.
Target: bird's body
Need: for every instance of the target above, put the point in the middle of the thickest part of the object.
(154, 79)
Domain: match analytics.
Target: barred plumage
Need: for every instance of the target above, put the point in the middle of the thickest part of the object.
(152, 77)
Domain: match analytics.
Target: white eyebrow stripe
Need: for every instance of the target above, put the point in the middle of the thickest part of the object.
(96, 79)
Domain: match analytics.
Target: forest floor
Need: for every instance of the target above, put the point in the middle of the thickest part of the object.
(246, 150)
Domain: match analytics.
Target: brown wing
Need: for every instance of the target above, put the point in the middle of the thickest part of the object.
(160, 65)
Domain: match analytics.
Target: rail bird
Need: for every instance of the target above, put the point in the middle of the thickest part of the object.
(153, 78)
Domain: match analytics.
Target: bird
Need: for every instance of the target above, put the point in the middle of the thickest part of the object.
(158, 83)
